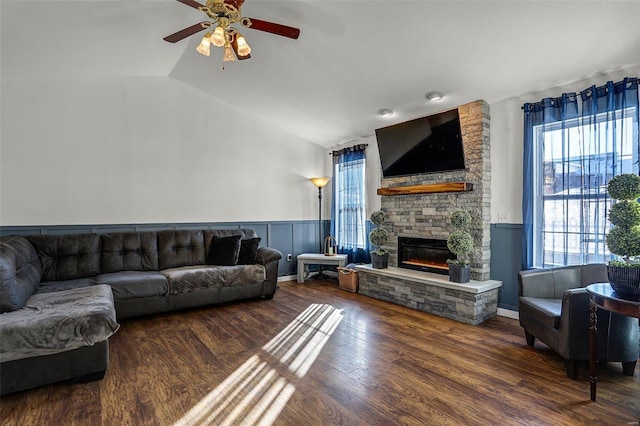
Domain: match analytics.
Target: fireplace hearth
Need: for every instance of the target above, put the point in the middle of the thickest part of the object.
(424, 254)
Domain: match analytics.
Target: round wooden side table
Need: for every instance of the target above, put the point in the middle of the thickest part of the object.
(602, 296)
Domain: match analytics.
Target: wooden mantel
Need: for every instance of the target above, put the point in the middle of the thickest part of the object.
(427, 189)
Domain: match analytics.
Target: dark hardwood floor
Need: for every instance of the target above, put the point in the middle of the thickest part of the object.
(316, 354)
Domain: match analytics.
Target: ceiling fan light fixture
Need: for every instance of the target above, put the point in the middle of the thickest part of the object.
(229, 56)
(243, 47)
(222, 15)
(217, 37)
(204, 48)
(434, 96)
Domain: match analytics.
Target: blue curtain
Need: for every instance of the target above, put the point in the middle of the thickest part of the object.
(348, 213)
(573, 145)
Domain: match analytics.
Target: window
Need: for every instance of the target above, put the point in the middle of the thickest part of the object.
(349, 220)
(572, 150)
(575, 162)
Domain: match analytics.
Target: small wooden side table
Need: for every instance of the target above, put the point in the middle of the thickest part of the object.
(306, 259)
(601, 295)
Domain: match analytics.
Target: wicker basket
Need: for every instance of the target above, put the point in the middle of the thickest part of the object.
(348, 279)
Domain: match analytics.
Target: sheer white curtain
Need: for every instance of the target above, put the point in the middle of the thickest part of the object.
(348, 216)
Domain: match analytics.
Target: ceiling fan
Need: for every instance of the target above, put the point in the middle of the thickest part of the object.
(224, 13)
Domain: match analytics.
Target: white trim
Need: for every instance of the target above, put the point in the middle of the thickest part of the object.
(287, 278)
(508, 313)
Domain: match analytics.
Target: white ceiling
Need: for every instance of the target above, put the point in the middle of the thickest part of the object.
(352, 58)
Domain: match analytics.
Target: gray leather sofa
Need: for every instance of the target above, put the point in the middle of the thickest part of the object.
(554, 308)
(115, 276)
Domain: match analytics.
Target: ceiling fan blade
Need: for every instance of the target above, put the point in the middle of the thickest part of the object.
(187, 32)
(270, 27)
(194, 4)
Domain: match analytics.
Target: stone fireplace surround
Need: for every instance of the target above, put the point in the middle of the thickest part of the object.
(427, 215)
(417, 214)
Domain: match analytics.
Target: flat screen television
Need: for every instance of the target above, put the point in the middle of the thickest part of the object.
(424, 145)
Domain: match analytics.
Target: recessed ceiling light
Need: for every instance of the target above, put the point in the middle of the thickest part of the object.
(385, 112)
(434, 96)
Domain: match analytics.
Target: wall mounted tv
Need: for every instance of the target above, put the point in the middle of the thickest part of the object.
(424, 145)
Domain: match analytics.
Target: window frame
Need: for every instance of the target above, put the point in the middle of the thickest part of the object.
(539, 196)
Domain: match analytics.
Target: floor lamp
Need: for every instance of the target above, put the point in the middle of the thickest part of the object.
(320, 182)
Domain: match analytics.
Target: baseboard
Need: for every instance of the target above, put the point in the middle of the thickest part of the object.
(508, 313)
(287, 278)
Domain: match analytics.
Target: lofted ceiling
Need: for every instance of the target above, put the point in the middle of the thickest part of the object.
(353, 57)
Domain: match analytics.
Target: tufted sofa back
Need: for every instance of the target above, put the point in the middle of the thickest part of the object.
(67, 257)
(180, 248)
(75, 256)
(129, 251)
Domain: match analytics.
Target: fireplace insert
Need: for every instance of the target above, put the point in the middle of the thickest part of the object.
(424, 254)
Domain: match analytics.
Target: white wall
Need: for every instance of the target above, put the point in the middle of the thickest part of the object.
(507, 122)
(108, 150)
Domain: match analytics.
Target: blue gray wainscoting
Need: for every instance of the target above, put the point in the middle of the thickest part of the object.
(506, 261)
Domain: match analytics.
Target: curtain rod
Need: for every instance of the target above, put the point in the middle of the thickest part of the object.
(351, 148)
(627, 81)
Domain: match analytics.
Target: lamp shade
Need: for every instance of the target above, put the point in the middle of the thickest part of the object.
(320, 181)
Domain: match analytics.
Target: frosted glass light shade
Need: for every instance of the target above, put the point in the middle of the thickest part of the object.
(229, 56)
(204, 46)
(217, 38)
(243, 47)
(320, 181)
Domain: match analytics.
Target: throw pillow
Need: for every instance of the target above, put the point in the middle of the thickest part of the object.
(248, 251)
(224, 251)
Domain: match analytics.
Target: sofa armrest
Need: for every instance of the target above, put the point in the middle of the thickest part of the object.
(20, 272)
(267, 255)
(270, 258)
(574, 325)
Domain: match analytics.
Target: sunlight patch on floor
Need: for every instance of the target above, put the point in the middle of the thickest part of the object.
(259, 389)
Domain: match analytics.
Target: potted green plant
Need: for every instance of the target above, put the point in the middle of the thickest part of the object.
(624, 238)
(460, 243)
(377, 237)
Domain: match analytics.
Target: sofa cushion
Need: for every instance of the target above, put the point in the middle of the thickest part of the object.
(178, 248)
(224, 251)
(133, 284)
(51, 286)
(20, 271)
(547, 311)
(67, 257)
(244, 233)
(129, 251)
(193, 278)
(58, 322)
(248, 251)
